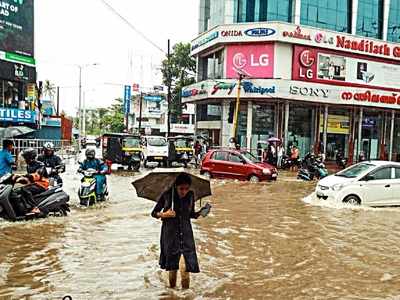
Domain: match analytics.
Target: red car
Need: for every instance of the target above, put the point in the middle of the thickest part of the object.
(242, 165)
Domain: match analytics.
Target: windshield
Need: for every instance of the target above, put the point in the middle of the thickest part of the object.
(250, 157)
(182, 144)
(132, 143)
(157, 142)
(355, 170)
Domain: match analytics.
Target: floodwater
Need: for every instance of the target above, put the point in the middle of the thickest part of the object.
(261, 241)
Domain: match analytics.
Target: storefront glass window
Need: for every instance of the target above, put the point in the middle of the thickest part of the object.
(208, 112)
(370, 18)
(11, 94)
(263, 10)
(263, 126)
(242, 126)
(338, 132)
(213, 66)
(300, 129)
(396, 139)
(328, 14)
(394, 22)
(371, 134)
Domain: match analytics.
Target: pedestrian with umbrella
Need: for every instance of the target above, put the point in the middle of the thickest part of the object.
(176, 193)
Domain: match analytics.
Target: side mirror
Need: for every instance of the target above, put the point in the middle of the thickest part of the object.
(369, 177)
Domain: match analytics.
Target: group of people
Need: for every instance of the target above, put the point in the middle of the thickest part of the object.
(273, 154)
(200, 149)
(42, 171)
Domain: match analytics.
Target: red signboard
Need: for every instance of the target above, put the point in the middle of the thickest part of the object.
(333, 67)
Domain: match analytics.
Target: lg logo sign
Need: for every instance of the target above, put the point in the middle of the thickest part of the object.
(240, 60)
(307, 60)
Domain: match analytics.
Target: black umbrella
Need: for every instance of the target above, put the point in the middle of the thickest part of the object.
(154, 184)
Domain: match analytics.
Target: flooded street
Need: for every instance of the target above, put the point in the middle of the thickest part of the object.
(261, 241)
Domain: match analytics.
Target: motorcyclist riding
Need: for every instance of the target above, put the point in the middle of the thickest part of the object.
(36, 180)
(51, 160)
(91, 162)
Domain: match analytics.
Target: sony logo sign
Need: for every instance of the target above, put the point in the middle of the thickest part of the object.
(309, 91)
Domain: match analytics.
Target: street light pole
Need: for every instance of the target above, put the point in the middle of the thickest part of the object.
(80, 109)
(169, 90)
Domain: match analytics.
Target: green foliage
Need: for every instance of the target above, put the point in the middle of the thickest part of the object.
(179, 72)
(102, 120)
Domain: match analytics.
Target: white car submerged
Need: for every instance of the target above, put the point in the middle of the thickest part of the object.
(370, 183)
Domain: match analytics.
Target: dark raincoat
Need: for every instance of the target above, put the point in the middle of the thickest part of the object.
(176, 233)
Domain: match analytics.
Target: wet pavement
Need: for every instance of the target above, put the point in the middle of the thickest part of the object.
(261, 241)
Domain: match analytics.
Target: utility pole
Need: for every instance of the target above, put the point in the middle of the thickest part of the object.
(58, 101)
(140, 111)
(236, 116)
(169, 90)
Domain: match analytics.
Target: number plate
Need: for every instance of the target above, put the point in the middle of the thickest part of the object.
(274, 175)
(158, 158)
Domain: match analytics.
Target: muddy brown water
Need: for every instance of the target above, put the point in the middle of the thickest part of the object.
(261, 241)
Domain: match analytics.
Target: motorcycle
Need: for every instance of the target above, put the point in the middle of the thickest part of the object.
(54, 175)
(312, 167)
(15, 207)
(341, 161)
(87, 191)
(135, 161)
(287, 162)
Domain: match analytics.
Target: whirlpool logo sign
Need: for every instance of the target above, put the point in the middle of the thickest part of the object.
(260, 32)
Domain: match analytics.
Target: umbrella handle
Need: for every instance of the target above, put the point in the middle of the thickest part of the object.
(172, 198)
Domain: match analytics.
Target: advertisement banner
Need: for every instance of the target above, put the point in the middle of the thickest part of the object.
(127, 99)
(17, 72)
(17, 115)
(254, 61)
(324, 66)
(16, 27)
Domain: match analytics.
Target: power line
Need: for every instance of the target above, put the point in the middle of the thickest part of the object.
(114, 11)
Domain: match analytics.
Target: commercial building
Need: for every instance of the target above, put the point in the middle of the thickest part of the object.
(18, 92)
(324, 75)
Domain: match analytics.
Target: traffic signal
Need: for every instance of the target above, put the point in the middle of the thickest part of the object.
(231, 112)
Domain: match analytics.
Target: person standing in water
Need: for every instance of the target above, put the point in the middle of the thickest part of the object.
(178, 250)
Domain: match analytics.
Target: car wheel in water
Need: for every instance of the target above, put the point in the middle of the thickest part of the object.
(352, 199)
(207, 175)
(254, 178)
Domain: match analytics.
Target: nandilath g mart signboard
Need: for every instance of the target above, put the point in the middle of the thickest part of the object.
(17, 31)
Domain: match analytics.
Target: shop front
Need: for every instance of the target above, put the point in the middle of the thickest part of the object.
(17, 94)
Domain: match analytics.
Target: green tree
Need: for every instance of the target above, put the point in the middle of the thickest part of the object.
(179, 71)
(114, 119)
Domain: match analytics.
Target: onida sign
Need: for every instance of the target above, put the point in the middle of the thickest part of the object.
(254, 61)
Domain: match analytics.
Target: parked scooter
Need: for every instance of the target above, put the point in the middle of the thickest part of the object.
(87, 191)
(341, 161)
(15, 207)
(312, 167)
(287, 162)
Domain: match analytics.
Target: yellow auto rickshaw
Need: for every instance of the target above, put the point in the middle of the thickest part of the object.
(183, 149)
(122, 148)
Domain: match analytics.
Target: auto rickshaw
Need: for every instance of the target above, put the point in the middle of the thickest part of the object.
(122, 148)
(183, 148)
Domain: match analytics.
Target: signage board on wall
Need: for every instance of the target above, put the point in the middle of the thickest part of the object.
(254, 61)
(331, 67)
(337, 124)
(292, 33)
(16, 27)
(17, 72)
(17, 115)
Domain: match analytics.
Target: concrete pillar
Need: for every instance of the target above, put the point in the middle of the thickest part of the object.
(249, 124)
(385, 24)
(286, 126)
(296, 12)
(325, 136)
(226, 128)
(359, 143)
(391, 136)
(354, 12)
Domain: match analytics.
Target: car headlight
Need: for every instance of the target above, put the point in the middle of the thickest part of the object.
(337, 187)
(266, 172)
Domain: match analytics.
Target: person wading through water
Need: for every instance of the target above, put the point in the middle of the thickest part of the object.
(178, 250)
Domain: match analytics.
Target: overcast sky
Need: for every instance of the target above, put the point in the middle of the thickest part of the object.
(83, 32)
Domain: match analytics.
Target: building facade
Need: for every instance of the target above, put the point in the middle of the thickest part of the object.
(322, 75)
(18, 92)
